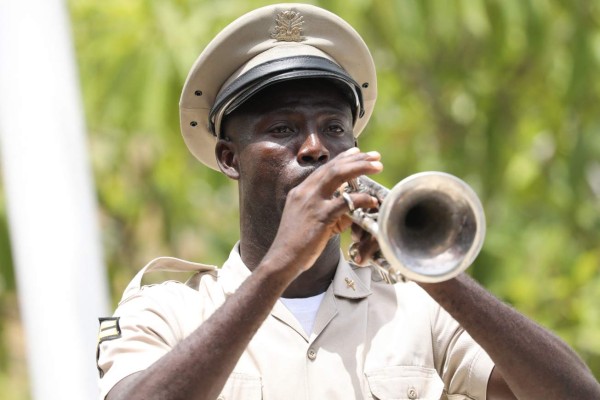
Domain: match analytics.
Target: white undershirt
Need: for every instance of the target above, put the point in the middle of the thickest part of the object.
(305, 310)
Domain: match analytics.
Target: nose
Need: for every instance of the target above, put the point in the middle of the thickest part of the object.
(313, 150)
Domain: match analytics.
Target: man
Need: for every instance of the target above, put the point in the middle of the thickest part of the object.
(276, 102)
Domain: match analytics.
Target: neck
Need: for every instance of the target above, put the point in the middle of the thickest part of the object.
(313, 281)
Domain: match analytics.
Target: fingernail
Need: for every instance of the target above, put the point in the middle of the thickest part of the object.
(377, 164)
(374, 154)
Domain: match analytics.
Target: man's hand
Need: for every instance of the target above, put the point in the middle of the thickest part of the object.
(312, 214)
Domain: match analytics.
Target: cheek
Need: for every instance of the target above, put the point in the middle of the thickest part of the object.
(340, 145)
(338, 141)
(264, 163)
(266, 156)
(264, 177)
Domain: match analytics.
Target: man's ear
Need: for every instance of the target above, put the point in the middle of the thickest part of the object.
(227, 159)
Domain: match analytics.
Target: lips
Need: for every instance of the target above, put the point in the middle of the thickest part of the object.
(304, 173)
(300, 174)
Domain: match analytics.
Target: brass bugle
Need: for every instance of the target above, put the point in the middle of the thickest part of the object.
(430, 226)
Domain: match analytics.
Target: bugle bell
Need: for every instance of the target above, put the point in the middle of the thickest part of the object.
(430, 226)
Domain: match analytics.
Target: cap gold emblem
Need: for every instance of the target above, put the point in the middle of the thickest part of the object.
(288, 27)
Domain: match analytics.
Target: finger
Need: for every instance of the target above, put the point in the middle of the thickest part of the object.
(349, 202)
(357, 233)
(366, 250)
(343, 223)
(340, 209)
(348, 165)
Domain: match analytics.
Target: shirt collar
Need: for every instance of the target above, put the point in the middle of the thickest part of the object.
(234, 271)
(349, 281)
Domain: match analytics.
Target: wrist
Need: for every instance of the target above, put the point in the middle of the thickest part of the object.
(277, 269)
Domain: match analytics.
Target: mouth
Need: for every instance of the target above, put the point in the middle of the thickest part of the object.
(304, 173)
(300, 176)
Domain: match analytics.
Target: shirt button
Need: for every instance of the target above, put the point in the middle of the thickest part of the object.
(412, 393)
(312, 354)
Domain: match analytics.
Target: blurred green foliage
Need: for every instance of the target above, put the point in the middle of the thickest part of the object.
(500, 93)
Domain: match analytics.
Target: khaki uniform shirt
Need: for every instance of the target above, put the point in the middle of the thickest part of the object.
(371, 340)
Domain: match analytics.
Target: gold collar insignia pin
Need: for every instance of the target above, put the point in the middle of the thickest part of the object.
(350, 283)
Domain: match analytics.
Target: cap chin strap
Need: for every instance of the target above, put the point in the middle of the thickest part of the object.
(280, 70)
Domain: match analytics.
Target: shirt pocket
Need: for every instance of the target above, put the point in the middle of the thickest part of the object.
(405, 383)
(242, 387)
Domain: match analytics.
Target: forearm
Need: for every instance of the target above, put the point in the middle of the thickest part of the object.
(533, 361)
(198, 367)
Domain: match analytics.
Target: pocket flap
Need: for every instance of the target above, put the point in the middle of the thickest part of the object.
(242, 386)
(405, 383)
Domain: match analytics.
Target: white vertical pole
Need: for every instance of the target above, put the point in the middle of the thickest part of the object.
(50, 199)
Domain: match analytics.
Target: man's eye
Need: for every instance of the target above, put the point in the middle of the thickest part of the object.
(282, 129)
(335, 128)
